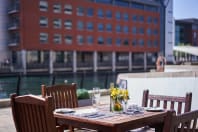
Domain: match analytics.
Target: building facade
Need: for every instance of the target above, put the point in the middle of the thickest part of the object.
(186, 32)
(68, 35)
(169, 31)
(4, 53)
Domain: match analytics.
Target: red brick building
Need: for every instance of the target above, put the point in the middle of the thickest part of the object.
(73, 35)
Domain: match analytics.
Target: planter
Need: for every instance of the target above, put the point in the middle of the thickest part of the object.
(84, 102)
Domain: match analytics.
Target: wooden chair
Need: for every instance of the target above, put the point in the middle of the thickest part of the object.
(33, 114)
(149, 100)
(186, 122)
(155, 100)
(64, 95)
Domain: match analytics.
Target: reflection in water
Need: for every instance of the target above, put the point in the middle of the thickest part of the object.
(32, 84)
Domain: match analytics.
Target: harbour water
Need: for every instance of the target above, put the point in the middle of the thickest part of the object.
(31, 84)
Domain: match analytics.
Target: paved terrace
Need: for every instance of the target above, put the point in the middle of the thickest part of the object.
(7, 123)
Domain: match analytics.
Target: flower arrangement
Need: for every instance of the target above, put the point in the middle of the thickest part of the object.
(118, 96)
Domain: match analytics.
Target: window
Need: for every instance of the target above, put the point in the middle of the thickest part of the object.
(68, 24)
(149, 43)
(57, 23)
(43, 38)
(118, 15)
(155, 43)
(68, 9)
(134, 30)
(109, 41)
(125, 16)
(151, 8)
(80, 39)
(126, 42)
(149, 19)
(141, 18)
(118, 28)
(134, 42)
(141, 42)
(125, 29)
(80, 25)
(134, 18)
(100, 40)
(118, 41)
(109, 28)
(121, 3)
(43, 22)
(109, 14)
(57, 39)
(68, 39)
(104, 1)
(90, 40)
(80, 11)
(90, 12)
(100, 27)
(137, 6)
(155, 31)
(90, 26)
(43, 5)
(149, 31)
(57, 8)
(141, 30)
(100, 13)
(155, 20)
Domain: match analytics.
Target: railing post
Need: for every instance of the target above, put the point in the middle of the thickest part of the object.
(18, 85)
(82, 80)
(106, 80)
(53, 79)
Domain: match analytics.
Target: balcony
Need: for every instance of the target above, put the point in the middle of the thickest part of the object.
(13, 26)
(13, 42)
(13, 9)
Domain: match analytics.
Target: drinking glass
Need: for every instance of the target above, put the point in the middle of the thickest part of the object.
(96, 96)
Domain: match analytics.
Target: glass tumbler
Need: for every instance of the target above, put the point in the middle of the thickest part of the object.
(96, 96)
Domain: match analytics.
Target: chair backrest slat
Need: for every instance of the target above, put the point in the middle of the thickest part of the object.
(64, 95)
(158, 103)
(149, 100)
(33, 114)
(186, 122)
(172, 105)
(165, 104)
(179, 108)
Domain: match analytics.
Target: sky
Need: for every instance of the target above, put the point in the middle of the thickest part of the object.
(185, 9)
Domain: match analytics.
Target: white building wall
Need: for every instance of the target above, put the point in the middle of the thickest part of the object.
(169, 32)
(3, 30)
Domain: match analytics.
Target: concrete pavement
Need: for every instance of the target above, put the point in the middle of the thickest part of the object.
(6, 121)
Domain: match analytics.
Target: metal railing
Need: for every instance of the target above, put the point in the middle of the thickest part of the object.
(31, 84)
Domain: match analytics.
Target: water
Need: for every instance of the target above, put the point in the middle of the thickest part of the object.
(31, 84)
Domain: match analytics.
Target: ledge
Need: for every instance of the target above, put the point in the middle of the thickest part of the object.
(6, 102)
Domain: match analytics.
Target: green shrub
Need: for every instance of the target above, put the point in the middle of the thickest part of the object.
(82, 94)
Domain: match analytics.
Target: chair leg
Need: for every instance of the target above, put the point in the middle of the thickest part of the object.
(59, 129)
(71, 129)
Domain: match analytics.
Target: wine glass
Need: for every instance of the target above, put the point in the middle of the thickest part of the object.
(95, 96)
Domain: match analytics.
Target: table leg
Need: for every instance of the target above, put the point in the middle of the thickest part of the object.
(159, 128)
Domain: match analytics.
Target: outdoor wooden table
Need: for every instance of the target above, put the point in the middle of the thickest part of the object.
(116, 123)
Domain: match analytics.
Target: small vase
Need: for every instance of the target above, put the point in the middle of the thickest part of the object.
(117, 106)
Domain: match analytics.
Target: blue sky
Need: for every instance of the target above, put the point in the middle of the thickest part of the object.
(185, 9)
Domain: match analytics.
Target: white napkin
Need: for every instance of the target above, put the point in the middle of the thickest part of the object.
(85, 112)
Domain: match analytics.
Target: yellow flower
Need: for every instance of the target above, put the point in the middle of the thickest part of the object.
(121, 94)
